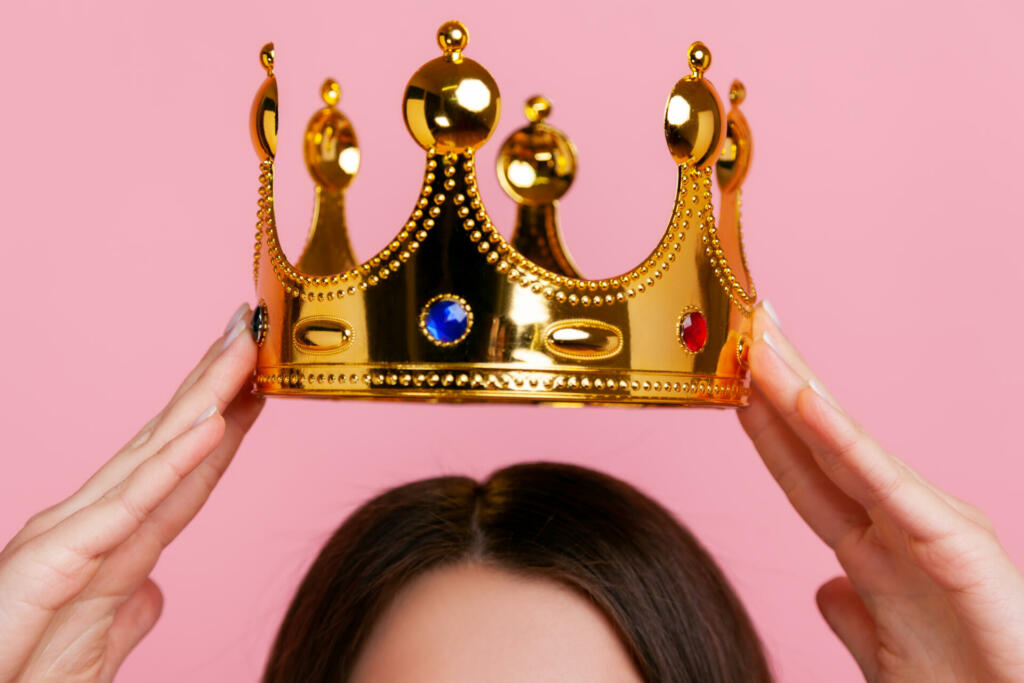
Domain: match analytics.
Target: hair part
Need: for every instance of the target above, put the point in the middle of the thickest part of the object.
(670, 603)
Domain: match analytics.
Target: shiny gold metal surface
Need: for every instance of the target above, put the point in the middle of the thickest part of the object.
(332, 158)
(264, 108)
(732, 167)
(693, 114)
(525, 325)
(452, 102)
(536, 166)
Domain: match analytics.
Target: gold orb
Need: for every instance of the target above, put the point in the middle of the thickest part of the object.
(699, 57)
(452, 37)
(694, 122)
(737, 92)
(330, 148)
(263, 125)
(451, 105)
(267, 58)
(537, 163)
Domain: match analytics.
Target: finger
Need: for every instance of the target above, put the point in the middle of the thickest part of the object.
(133, 620)
(241, 313)
(51, 569)
(221, 379)
(181, 506)
(766, 323)
(126, 566)
(849, 619)
(846, 454)
(829, 512)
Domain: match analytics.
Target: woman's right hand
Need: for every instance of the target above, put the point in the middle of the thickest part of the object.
(75, 592)
(929, 593)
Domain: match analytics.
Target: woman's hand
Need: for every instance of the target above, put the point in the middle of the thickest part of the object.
(75, 596)
(929, 593)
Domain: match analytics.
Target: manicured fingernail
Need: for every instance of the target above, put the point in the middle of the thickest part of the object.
(770, 341)
(819, 390)
(205, 415)
(236, 316)
(232, 333)
(770, 310)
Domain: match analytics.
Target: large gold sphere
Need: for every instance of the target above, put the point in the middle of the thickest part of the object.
(452, 102)
(537, 163)
(264, 119)
(694, 122)
(330, 147)
(451, 105)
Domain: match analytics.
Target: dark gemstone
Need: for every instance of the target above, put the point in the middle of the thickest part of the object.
(258, 324)
(447, 320)
(693, 331)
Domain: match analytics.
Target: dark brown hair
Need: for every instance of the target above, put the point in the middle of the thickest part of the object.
(670, 603)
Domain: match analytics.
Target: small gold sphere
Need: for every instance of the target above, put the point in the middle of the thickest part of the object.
(267, 58)
(330, 91)
(699, 57)
(737, 93)
(537, 108)
(450, 103)
(452, 37)
(537, 163)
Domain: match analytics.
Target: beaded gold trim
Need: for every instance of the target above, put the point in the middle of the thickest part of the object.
(693, 205)
(455, 382)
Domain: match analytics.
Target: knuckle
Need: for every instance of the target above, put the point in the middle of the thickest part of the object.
(135, 511)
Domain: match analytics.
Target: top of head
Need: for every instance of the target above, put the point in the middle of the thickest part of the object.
(465, 309)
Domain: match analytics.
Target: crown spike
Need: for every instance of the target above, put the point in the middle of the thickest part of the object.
(536, 167)
(694, 121)
(263, 117)
(451, 103)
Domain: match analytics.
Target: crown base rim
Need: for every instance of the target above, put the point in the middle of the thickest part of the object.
(471, 385)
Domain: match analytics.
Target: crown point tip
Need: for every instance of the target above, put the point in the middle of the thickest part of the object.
(453, 37)
(699, 58)
(330, 91)
(537, 108)
(737, 92)
(267, 58)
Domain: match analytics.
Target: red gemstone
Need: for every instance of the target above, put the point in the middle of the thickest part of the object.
(693, 331)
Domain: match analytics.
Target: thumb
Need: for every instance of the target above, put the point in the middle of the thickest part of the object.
(848, 618)
(134, 619)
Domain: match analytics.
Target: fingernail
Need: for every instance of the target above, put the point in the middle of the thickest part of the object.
(205, 415)
(770, 310)
(819, 390)
(236, 316)
(232, 333)
(770, 341)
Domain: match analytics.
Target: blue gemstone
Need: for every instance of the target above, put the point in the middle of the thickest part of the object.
(447, 320)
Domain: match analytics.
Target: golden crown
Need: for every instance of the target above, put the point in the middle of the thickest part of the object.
(451, 310)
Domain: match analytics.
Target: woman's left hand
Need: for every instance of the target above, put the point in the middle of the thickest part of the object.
(929, 593)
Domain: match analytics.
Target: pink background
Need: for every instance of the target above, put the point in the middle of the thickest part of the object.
(882, 215)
